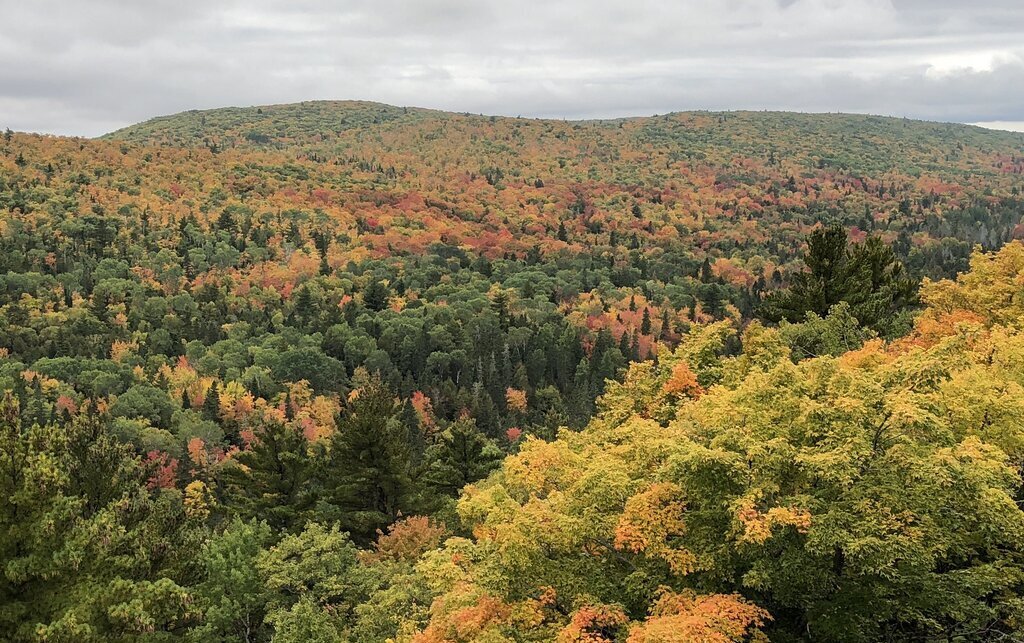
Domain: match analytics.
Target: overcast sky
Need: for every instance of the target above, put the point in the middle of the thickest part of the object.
(86, 67)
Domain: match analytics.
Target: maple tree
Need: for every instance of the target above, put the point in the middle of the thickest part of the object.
(859, 497)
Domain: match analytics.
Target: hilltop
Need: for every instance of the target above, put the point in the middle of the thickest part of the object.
(846, 142)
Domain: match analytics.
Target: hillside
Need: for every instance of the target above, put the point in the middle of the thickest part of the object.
(720, 184)
(346, 371)
(618, 234)
(778, 171)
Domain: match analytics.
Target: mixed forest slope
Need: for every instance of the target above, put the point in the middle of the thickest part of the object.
(261, 332)
(715, 180)
(585, 243)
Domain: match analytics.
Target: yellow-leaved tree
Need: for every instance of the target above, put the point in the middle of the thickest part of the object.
(870, 496)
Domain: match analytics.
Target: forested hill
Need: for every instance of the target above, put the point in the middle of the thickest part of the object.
(737, 190)
(455, 254)
(855, 143)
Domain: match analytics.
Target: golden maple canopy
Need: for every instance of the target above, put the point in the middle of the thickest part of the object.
(861, 497)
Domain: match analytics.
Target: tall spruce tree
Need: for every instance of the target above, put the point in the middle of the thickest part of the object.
(868, 276)
(460, 455)
(270, 481)
(211, 403)
(364, 472)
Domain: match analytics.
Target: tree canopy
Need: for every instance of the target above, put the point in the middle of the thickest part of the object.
(350, 372)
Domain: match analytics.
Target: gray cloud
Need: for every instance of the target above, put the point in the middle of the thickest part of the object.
(88, 66)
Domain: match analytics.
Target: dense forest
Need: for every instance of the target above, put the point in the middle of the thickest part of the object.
(343, 371)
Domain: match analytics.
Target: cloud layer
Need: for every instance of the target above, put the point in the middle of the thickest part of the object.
(89, 66)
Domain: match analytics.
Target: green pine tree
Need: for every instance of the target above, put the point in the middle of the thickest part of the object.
(666, 326)
(460, 455)
(211, 403)
(271, 480)
(89, 552)
(376, 295)
(364, 472)
(868, 276)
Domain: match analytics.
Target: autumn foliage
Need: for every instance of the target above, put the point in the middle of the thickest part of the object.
(351, 372)
(781, 480)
